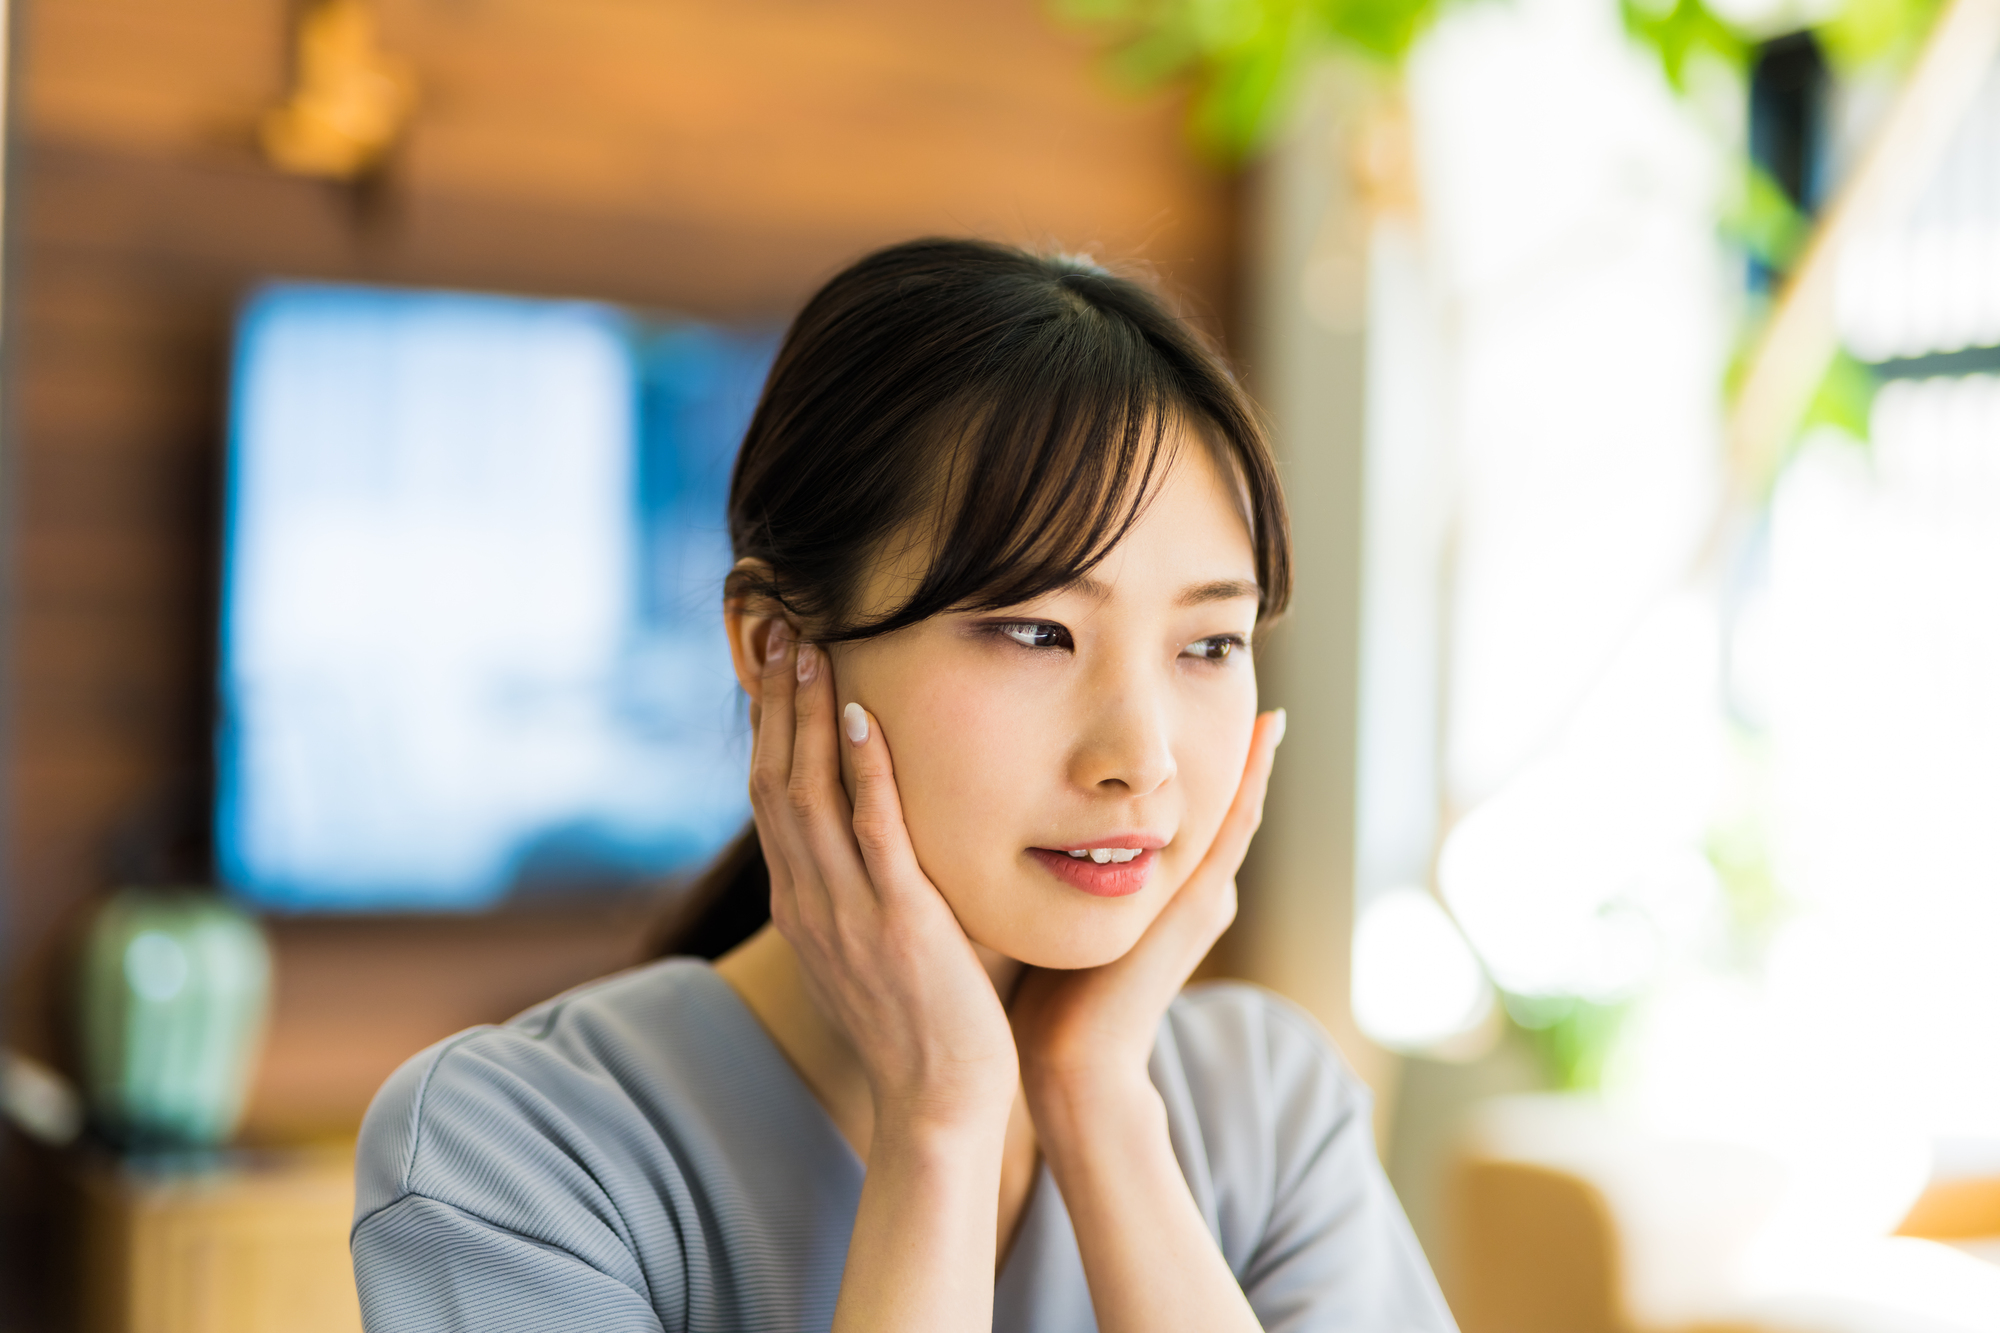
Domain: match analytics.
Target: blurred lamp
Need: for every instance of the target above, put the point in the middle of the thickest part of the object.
(352, 100)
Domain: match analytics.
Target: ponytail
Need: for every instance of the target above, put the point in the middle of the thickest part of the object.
(726, 906)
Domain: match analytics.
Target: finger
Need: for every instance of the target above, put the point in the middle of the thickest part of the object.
(1246, 812)
(818, 800)
(1204, 906)
(879, 830)
(834, 896)
(785, 853)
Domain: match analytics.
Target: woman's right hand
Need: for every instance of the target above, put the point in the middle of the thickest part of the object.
(880, 950)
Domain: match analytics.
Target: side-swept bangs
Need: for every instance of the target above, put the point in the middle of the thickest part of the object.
(1009, 416)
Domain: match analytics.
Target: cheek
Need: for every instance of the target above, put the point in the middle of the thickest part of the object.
(1213, 748)
(969, 761)
(980, 767)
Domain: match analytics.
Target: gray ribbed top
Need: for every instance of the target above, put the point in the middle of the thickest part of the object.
(638, 1155)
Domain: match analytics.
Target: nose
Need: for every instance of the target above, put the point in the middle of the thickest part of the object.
(1123, 745)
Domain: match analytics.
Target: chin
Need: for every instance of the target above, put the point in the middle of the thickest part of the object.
(1089, 936)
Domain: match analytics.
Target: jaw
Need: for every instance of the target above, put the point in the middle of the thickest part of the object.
(1030, 918)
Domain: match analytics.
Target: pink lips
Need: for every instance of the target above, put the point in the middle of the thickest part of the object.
(1108, 880)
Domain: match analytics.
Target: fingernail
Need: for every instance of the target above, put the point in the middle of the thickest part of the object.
(774, 643)
(856, 718)
(1280, 724)
(808, 663)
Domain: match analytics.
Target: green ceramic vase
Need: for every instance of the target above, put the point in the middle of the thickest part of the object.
(176, 985)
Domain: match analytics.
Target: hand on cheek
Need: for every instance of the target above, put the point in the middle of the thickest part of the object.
(881, 952)
(1085, 1036)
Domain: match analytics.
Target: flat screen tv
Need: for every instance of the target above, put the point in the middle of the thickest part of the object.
(471, 645)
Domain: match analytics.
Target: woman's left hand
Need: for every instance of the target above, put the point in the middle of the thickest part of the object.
(1086, 1035)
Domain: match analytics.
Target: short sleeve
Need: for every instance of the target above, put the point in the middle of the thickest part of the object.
(490, 1196)
(1315, 1234)
(426, 1267)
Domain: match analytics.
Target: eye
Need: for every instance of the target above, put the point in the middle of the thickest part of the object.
(1037, 634)
(1214, 648)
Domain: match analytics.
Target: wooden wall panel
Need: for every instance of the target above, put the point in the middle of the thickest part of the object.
(714, 158)
(825, 118)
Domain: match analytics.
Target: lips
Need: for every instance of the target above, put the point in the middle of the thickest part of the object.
(1110, 879)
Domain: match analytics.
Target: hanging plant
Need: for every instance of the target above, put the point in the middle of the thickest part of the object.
(1242, 60)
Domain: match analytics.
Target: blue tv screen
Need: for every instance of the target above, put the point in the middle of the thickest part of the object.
(471, 640)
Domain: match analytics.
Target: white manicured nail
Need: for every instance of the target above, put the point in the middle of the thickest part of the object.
(857, 722)
(1281, 727)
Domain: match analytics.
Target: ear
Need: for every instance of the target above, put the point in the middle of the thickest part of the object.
(748, 621)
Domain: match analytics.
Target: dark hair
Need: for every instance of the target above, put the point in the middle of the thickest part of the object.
(1011, 413)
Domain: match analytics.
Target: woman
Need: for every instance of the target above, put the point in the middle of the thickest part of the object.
(1005, 530)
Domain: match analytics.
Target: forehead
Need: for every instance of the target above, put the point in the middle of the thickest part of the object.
(1192, 532)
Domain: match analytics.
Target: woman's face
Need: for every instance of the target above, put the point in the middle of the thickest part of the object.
(1110, 717)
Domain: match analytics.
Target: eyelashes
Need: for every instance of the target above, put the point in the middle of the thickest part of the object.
(1044, 634)
(1037, 634)
(1214, 648)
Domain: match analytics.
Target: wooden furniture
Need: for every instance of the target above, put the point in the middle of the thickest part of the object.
(1565, 1219)
(1965, 1208)
(251, 1242)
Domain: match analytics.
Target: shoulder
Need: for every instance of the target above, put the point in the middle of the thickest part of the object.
(642, 1130)
(1258, 1102)
(1275, 1136)
(1232, 1035)
(541, 1161)
(536, 1091)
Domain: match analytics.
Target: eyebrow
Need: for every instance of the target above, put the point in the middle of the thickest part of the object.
(1199, 594)
(1218, 590)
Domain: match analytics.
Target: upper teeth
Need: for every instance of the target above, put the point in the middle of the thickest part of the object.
(1112, 855)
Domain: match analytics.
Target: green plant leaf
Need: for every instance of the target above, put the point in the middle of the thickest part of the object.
(1845, 397)
(1244, 58)
(1244, 98)
(1866, 32)
(1764, 221)
(1383, 29)
(1153, 57)
(1680, 32)
(1573, 1036)
(1223, 27)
